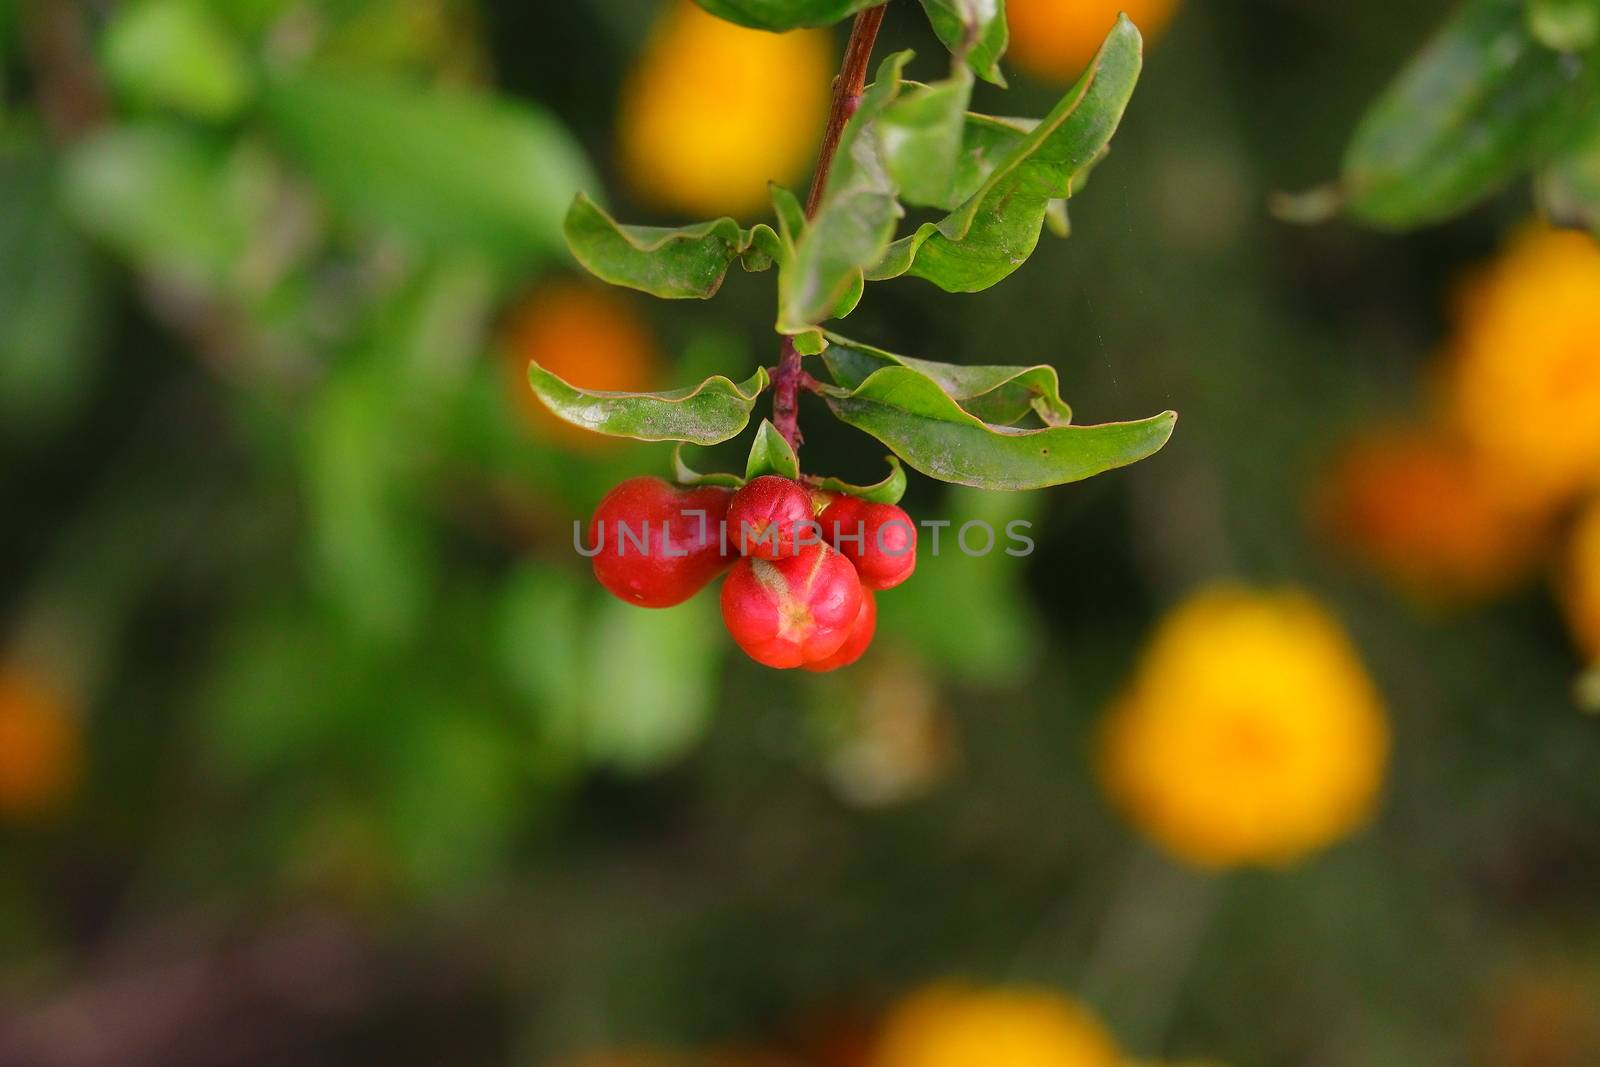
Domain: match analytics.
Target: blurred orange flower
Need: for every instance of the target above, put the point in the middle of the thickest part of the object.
(1581, 582)
(588, 335)
(1055, 39)
(1412, 503)
(712, 112)
(40, 744)
(951, 1025)
(1251, 732)
(1522, 379)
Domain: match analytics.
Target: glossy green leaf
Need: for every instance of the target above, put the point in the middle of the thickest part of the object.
(438, 165)
(785, 14)
(920, 136)
(974, 31)
(677, 263)
(853, 224)
(684, 474)
(1477, 106)
(910, 413)
(1565, 25)
(888, 491)
(176, 54)
(995, 230)
(998, 395)
(771, 454)
(705, 414)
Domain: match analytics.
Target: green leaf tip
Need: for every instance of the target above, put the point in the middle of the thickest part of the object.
(771, 454)
(706, 414)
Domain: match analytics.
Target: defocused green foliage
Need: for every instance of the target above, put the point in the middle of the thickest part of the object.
(1504, 87)
(272, 516)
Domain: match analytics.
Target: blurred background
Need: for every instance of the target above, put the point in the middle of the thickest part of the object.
(319, 744)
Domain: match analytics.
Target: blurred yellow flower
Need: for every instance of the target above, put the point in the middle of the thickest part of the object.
(1055, 39)
(1251, 732)
(1581, 582)
(950, 1025)
(1522, 379)
(1412, 503)
(712, 112)
(40, 745)
(586, 334)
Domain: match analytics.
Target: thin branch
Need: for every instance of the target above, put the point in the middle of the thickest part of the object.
(789, 377)
(847, 89)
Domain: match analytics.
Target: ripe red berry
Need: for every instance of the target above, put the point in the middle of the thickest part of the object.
(880, 539)
(855, 645)
(658, 545)
(769, 517)
(792, 611)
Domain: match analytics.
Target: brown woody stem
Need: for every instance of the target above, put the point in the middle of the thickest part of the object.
(790, 376)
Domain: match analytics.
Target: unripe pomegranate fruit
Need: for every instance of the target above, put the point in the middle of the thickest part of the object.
(792, 611)
(855, 645)
(658, 545)
(880, 539)
(769, 517)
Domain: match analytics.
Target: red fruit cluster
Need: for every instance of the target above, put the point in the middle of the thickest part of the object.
(805, 563)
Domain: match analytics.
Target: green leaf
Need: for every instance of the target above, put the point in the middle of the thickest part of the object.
(1565, 25)
(1569, 188)
(974, 31)
(705, 414)
(684, 474)
(986, 141)
(438, 165)
(910, 413)
(920, 136)
(175, 54)
(888, 491)
(997, 227)
(998, 395)
(790, 213)
(1477, 106)
(785, 14)
(853, 224)
(771, 454)
(676, 263)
